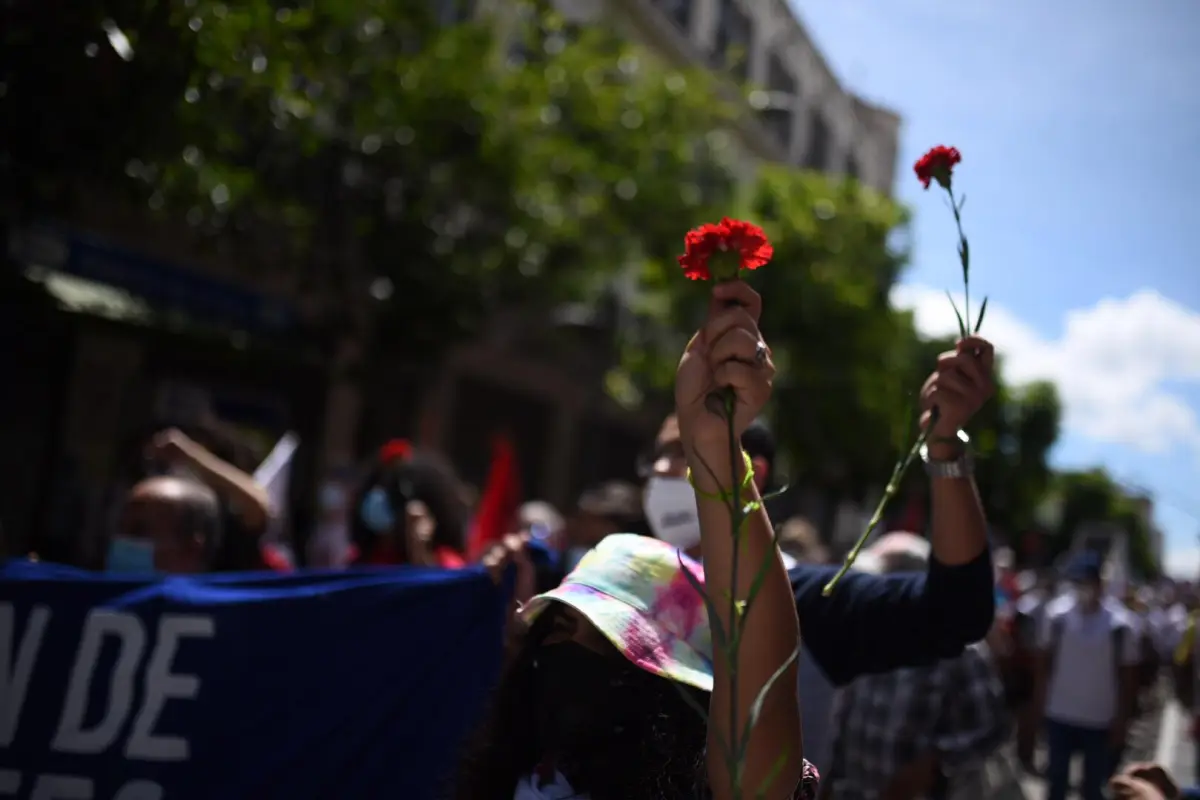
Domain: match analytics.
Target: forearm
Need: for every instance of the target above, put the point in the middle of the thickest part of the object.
(234, 486)
(959, 526)
(770, 633)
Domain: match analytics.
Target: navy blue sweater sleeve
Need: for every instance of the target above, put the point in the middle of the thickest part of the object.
(873, 624)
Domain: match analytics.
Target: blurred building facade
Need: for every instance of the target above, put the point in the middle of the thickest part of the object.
(147, 329)
(555, 404)
(804, 115)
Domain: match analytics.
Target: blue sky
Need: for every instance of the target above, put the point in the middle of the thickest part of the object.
(1079, 124)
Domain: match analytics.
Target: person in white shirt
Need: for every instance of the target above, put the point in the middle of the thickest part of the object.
(1169, 620)
(1086, 681)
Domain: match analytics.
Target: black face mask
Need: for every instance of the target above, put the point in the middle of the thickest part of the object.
(584, 700)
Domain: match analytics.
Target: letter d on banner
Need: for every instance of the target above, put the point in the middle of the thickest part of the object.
(16, 665)
(71, 736)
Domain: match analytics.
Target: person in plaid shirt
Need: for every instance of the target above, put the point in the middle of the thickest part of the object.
(920, 732)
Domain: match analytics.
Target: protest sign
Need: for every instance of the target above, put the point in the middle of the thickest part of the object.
(357, 684)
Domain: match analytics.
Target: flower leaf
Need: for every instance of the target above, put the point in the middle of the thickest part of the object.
(718, 630)
(726, 751)
(772, 774)
(757, 706)
(962, 327)
(982, 311)
(964, 255)
(693, 702)
(774, 494)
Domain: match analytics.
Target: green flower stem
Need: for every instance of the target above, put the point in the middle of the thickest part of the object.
(893, 486)
(734, 744)
(964, 258)
(965, 326)
(736, 620)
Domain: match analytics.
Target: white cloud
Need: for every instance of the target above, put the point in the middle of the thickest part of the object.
(1113, 363)
(1182, 563)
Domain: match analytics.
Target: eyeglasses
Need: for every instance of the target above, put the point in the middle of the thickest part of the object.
(671, 450)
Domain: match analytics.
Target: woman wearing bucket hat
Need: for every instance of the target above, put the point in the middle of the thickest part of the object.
(591, 704)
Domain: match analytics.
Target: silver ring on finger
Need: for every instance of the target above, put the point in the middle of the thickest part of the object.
(760, 353)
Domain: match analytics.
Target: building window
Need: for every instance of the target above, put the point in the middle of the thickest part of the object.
(778, 122)
(452, 12)
(817, 155)
(852, 169)
(732, 46)
(783, 88)
(779, 78)
(679, 12)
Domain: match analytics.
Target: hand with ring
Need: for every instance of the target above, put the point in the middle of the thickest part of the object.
(728, 351)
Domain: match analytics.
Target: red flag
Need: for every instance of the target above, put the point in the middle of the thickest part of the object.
(500, 500)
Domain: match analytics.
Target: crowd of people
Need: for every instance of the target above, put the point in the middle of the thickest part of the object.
(915, 676)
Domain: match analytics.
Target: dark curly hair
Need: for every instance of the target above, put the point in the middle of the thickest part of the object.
(423, 476)
(660, 758)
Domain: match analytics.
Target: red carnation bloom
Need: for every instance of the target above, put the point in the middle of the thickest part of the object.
(395, 450)
(937, 165)
(720, 250)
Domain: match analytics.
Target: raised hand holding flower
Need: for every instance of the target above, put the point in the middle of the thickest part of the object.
(720, 251)
(723, 354)
(962, 381)
(958, 387)
(723, 382)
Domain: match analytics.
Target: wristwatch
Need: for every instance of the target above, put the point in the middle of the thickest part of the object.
(961, 467)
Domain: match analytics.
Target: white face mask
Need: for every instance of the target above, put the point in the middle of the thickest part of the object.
(670, 506)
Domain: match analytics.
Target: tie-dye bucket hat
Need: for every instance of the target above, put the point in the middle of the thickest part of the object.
(633, 589)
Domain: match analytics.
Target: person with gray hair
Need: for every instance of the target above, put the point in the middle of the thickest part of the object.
(895, 552)
(168, 525)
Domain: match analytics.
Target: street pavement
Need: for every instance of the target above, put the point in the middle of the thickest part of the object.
(1176, 750)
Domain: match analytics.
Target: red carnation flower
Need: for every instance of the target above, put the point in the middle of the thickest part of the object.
(937, 165)
(395, 450)
(720, 250)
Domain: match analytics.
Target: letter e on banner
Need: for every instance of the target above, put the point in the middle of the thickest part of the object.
(61, 787)
(163, 685)
(16, 665)
(140, 790)
(10, 782)
(71, 736)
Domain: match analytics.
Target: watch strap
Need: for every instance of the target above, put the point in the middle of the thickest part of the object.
(961, 467)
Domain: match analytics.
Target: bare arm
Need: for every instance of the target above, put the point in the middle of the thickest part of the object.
(961, 384)
(771, 635)
(728, 355)
(959, 533)
(234, 486)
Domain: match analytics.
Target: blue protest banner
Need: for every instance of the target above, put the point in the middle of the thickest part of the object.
(329, 685)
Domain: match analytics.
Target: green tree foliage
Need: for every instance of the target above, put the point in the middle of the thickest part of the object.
(844, 407)
(370, 148)
(1014, 436)
(840, 399)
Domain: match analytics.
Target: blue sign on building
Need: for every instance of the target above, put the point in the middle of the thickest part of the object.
(163, 286)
